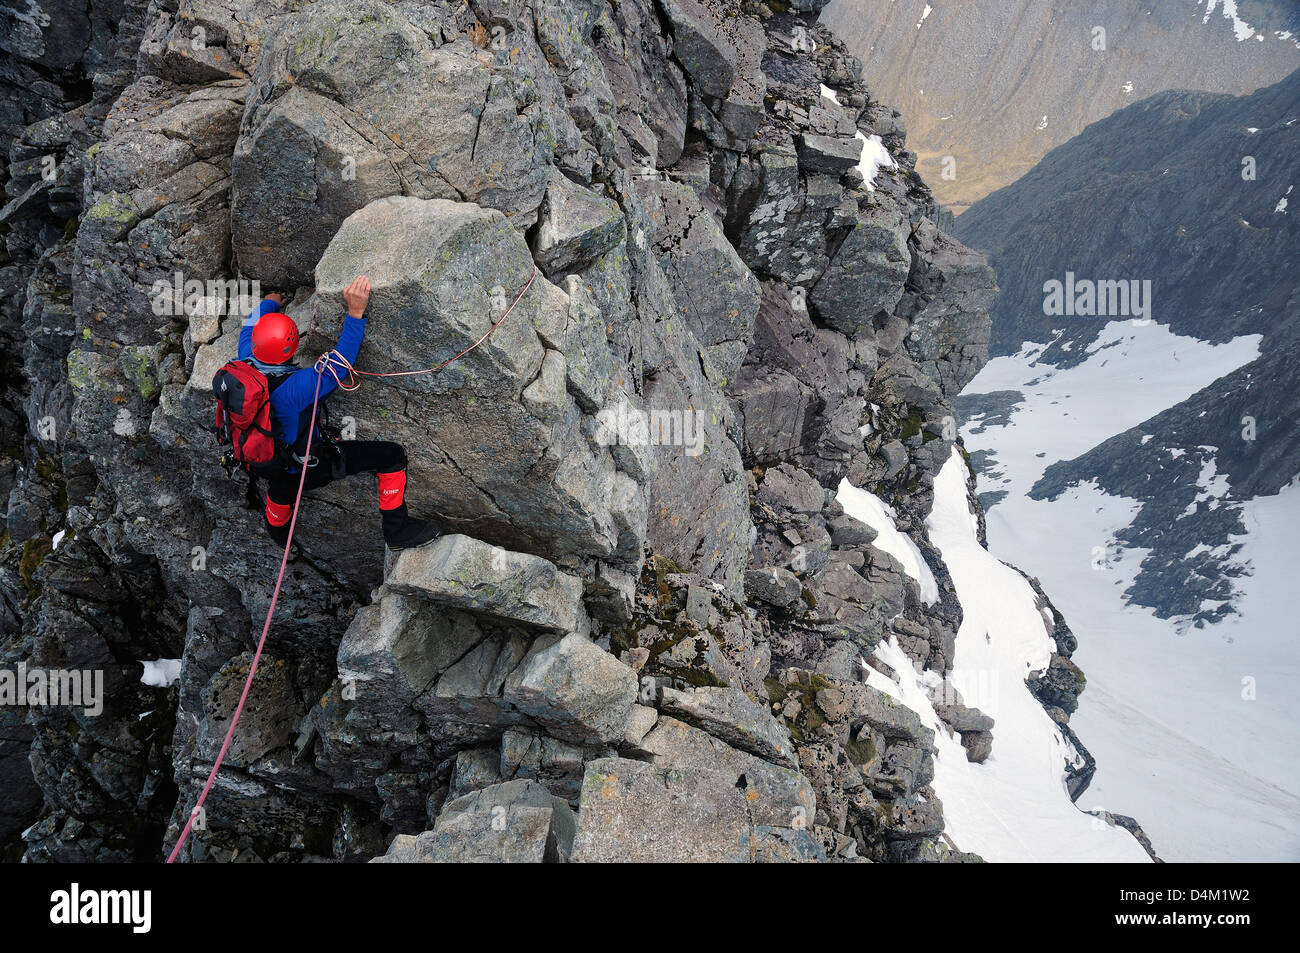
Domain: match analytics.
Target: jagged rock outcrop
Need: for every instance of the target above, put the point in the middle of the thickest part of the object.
(650, 609)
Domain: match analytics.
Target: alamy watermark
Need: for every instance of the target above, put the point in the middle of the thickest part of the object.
(625, 425)
(215, 296)
(1085, 297)
(57, 688)
(78, 906)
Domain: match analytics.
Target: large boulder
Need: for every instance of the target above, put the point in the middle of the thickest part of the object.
(732, 716)
(703, 44)
(867, 274)
(355, 102)
(576, 226)
(395, 649)
(776, 796)
(495, 440)
(950, 323)
(575, 690)
(553, 763)
(718, 296)
(465, 702)
(648, 85)
(631, 811)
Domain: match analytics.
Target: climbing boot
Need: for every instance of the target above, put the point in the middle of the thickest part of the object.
(403, 531)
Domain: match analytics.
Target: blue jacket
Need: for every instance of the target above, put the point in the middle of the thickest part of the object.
(291, 399)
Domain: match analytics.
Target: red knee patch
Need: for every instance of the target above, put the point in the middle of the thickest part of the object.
(392, 490)
(277, 514)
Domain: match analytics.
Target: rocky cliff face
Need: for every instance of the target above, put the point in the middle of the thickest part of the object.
(988, 89)
(642, 637)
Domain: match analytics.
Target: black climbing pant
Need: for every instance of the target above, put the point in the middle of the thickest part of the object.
(334, 462)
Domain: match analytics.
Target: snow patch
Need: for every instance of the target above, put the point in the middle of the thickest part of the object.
(874, 158)
(866, 507)
(1240, 28)
(1014, 807)
(1182, 720)
(161, 672)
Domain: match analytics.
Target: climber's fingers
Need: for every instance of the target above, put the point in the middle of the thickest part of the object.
(357, 295)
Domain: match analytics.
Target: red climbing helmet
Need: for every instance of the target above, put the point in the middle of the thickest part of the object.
(275, 338)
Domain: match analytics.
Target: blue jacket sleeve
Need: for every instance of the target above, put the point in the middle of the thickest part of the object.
(297, 391)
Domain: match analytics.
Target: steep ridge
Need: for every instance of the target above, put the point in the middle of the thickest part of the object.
(643, 637)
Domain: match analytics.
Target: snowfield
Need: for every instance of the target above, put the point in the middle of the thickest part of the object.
(1192, 728)
(1014, 807)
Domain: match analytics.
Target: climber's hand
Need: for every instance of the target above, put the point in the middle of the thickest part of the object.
(276, 297)
(357, 295)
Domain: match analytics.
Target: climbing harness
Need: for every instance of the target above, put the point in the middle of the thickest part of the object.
(333, 363)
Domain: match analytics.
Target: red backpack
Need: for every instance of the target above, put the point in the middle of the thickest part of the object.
(244, 413)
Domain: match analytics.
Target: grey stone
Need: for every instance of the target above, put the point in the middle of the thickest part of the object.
(866, 276)
(631, 811)
(465, 573)
(394, 650)
(964, 719)
(611, 595)
(553, 763)
(469, 692)
(577, 691)
(828, 154)
(575, 228)
(896, 458)
(978, 745)
(788, 487)
(785, 845)
(639, 724)
(701, 44)
(479, 457)
(774, 585)
(475, 769)
(715, 292)
(425, 120)
(263, 728)
(729, 714)
(514, 822)
(774, 795)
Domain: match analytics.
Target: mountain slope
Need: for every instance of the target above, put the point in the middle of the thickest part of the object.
(647, 630)
(995, 86)
(1155, 193)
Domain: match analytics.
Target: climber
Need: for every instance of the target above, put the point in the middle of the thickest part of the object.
(269, 340)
